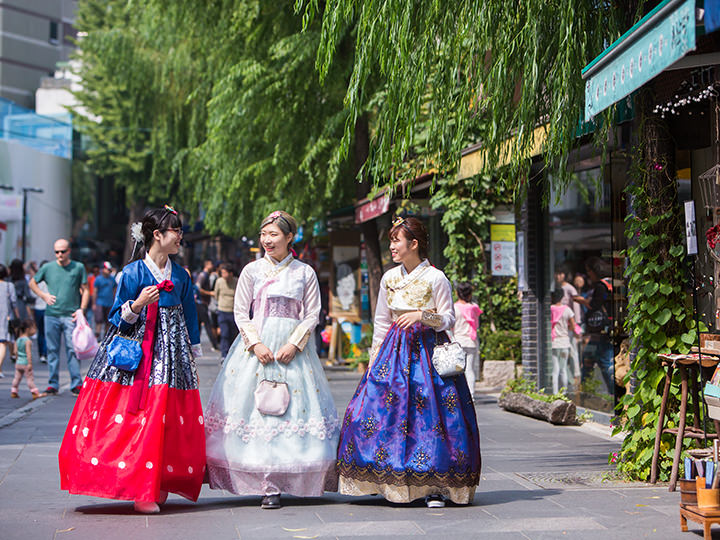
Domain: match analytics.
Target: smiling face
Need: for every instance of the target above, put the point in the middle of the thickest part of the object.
(168, 241)
(275, 242)
(402, 248)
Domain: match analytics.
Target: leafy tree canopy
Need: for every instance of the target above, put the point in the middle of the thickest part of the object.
(477, 69)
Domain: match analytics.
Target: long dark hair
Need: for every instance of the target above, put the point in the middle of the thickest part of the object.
(17, 270)
(155, 219)
(412, 229)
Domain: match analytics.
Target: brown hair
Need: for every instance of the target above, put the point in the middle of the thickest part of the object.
(285, 222)
(412, 229)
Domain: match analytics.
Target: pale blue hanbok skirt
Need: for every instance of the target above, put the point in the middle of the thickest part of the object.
(252, 454)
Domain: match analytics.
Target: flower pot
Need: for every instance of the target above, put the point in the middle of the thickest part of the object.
(688, 492)
(708, 498)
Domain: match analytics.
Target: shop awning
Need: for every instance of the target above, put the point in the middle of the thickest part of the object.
(474, 158)
(658, 40)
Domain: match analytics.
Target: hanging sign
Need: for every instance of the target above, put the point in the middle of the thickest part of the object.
(657, 41)
(690, 231)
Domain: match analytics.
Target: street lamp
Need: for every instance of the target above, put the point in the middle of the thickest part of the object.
(25, 191)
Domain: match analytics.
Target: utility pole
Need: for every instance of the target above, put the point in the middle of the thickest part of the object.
(25, 191)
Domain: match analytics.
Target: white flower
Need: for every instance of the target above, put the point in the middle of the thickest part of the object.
(136, 232)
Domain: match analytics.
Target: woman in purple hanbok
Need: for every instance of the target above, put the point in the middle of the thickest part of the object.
(407, 432)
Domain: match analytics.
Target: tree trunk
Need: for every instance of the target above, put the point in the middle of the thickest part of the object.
(369, 228)
(137, 209)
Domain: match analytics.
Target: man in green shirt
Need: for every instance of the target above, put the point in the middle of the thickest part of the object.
(67, 295)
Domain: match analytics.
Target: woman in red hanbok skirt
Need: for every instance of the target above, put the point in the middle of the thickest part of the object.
(137, 435)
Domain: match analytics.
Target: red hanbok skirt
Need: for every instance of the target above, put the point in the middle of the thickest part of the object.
(111, 451)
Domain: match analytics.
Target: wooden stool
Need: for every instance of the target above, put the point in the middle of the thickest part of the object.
(704, 516)
(684, 365)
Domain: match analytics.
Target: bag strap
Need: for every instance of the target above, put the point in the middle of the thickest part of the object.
(280, 381)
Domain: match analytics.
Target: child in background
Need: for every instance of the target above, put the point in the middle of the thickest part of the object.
(23, 365)
(467, 319)
(563, 319)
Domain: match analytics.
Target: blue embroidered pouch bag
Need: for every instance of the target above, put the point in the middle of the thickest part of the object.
(124, 353)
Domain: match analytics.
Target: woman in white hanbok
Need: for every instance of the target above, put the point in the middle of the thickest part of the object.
(250, 453)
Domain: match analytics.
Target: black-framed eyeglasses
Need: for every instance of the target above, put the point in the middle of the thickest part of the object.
(176, 230)
(59, 251)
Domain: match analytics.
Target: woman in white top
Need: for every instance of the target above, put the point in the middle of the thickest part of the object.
(409, 433)
(251, 453)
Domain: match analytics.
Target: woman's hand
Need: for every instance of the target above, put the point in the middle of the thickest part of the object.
(146, 297)
(406, 320)
(286, 353)
(264, 355)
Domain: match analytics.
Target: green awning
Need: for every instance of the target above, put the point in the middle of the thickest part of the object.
(657, 41)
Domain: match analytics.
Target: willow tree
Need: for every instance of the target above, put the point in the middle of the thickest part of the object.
(135, 107)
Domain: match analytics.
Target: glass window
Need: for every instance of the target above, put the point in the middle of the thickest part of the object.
(581, 313)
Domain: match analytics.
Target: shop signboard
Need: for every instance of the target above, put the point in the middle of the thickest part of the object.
(657, 41)
(502, 249)
(372, 209)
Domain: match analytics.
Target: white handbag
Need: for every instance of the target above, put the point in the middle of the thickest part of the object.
(448, 359)
(272, 397)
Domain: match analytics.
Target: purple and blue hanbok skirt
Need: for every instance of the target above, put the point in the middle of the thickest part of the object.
(407, 432)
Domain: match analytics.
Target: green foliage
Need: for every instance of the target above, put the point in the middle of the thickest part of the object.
(501, 345)
(213, 106)
(525, 386)
(134, 105)
(660, 315)
(478, 70)
(467, 205)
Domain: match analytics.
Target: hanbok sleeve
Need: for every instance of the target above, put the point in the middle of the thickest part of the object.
(443, 317)
(241, 309)
(120, 314)
(311, 311)
(383, 320)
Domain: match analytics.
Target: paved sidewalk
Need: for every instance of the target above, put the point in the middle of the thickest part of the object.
(539, 482)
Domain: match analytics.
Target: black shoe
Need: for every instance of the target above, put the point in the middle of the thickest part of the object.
(76, 391)
(50, 391)
(271, 502)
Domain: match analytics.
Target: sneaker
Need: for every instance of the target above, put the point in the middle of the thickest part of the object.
(271, 502)
(43, 359)
(76, 391)
(50, 391)
(14, 395)
(2, 375)
(435, 501)
(146, 507)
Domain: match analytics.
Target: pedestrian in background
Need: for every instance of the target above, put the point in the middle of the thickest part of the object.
(467, 320)
(39, 307)
(251, 449)
(67, 294)
(23, 364)
(205, 286)
(562, 321)
(8, 311)
(224, 293)
(22, 291)
(137, 434)
(409, 433)
(103, 297)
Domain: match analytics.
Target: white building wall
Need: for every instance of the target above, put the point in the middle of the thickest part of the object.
(49, 213)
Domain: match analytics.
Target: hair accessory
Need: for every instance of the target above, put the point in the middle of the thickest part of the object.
(170, 209)
(136, 233)
(398, 221)
(276, 214)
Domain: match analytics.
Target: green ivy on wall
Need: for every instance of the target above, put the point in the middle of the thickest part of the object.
(660, 313)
